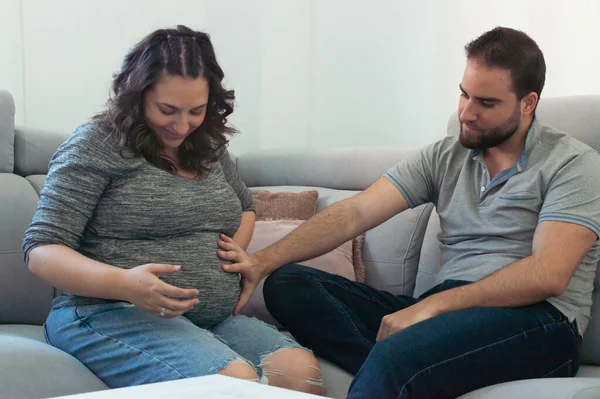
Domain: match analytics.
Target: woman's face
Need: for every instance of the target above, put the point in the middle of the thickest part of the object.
(174, 108)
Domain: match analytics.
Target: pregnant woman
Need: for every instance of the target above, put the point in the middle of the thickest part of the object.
(136, 204)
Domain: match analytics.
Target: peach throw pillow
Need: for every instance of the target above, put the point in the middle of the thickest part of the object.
(299, 206)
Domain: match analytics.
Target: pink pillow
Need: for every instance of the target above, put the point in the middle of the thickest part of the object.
(339, 261)
(300, 206)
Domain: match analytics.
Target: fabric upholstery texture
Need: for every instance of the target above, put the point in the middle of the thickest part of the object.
(284, 206)
(7, 132)
(34, 148)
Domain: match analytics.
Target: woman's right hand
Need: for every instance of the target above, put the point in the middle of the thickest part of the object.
(148, 292)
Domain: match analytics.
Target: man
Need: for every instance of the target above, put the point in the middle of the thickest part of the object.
(519, 206)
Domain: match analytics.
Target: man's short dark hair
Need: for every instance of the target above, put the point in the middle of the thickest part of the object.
(513, 50)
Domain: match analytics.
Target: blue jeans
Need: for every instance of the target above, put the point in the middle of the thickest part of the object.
(124, 346)
(443, 357)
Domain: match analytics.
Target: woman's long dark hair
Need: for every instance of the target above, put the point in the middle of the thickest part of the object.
(182, 52)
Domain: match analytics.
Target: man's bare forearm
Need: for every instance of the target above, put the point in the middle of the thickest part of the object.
(322, 233)
(522, 283)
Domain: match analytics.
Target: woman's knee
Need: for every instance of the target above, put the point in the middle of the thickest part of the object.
(294, 368)
(239, 369)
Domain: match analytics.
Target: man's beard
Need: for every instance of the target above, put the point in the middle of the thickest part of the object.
(488, 138)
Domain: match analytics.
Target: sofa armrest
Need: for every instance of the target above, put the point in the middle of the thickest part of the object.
(34, 148)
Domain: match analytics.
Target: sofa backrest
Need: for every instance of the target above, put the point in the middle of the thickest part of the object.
(7, 132)
(24, 298)
(578, 116)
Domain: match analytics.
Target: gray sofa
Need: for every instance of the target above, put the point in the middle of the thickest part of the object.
(401, 255)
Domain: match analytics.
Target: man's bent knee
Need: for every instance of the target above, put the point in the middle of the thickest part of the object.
(284, 274)
(278, 288)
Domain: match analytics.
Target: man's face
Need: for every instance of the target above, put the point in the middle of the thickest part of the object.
(488, 110)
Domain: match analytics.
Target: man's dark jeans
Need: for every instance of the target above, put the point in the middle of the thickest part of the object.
(443, 357)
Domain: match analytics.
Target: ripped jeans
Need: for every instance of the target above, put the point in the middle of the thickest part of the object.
(124, 346)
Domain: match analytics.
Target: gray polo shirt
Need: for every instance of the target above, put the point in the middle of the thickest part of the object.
(487, 224)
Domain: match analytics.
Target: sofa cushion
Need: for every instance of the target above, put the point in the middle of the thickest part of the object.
(588, 393)
(392, 251)
(284, 206)
(430, 261)
(24, 298)
(336, 381)
(7, 132)
(588, 371)
(558, 388)
(33, 369)
(578, 116)
(37, 182)
(590, 350)
(35, 333)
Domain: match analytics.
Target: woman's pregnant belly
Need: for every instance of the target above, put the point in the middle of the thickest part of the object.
(196, 253)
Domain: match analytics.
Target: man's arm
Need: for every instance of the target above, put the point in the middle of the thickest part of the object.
(320, 234)
(335, 225)
(558, 249)
(412, 179)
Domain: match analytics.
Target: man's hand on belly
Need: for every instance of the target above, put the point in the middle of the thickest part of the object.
(242, 263)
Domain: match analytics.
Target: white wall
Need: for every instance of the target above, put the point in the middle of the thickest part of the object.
(307, 73)
(11, 54)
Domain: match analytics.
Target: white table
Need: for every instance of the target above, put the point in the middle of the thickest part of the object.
(212, 386)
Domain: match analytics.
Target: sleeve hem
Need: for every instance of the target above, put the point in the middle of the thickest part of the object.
(402, 189)
(571, 219)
